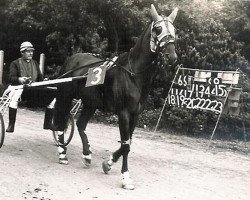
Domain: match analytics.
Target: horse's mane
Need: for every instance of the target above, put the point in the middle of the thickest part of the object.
(140, 40)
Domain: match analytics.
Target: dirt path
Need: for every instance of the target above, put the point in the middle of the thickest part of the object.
(163, 167)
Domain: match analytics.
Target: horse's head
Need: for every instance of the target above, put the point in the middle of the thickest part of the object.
(163, 36)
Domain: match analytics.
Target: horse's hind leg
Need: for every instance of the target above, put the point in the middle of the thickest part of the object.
(62, 110)
(86, 113)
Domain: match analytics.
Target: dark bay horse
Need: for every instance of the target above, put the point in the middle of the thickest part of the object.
(124, 91)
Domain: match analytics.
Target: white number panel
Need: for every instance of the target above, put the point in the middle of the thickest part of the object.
(96, 76)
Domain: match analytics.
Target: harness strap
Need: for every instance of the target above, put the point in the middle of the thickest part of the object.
(81, 67)
(91, 64)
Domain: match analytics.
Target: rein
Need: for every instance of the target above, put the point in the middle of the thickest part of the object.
(81, 67)
(92, 64)
(157, 41)
(158, 62)
(130, 71)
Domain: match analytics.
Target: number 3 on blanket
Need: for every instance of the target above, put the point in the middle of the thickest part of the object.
(96, 76)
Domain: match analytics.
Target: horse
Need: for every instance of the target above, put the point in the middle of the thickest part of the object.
(124, 91)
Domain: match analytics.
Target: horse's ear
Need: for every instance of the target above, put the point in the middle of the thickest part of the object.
(154, 13)
(172, 16)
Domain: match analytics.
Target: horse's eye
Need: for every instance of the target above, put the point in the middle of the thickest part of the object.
(157, 30)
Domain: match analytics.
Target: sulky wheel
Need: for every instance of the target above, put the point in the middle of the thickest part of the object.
(2, 130)
(68, 132)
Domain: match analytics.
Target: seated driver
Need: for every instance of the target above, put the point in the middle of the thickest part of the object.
(23, 70)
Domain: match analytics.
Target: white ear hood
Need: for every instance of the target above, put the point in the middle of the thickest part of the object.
(154, 14)
(173, 15)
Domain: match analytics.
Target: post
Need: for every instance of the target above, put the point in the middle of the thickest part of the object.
(165, 102)
(1, 66)
(41, 63)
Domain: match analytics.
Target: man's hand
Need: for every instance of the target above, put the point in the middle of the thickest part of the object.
(24, 80)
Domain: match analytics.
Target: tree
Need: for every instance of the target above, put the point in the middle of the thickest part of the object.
(210, 34)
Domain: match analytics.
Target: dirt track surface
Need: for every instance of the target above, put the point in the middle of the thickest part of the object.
(162, 166)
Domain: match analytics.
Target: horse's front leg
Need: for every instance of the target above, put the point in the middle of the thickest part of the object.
(124, 126)
(132, 124)
(86, 114)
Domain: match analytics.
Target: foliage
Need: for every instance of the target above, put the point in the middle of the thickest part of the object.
(212, 34)
(208, 43)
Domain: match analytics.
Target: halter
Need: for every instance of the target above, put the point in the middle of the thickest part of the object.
(166, 30)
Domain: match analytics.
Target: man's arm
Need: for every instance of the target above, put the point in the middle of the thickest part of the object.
(14, 74)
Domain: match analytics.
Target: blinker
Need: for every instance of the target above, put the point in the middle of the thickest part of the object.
(157, 31)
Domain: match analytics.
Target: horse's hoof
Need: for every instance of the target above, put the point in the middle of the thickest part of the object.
(128, 187)
(86, 160)
(63, 161)
(127, 182)
(106, 167)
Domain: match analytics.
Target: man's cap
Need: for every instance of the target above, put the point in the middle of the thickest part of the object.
(25, 46)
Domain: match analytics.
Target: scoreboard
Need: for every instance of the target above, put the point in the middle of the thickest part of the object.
(202, 89)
